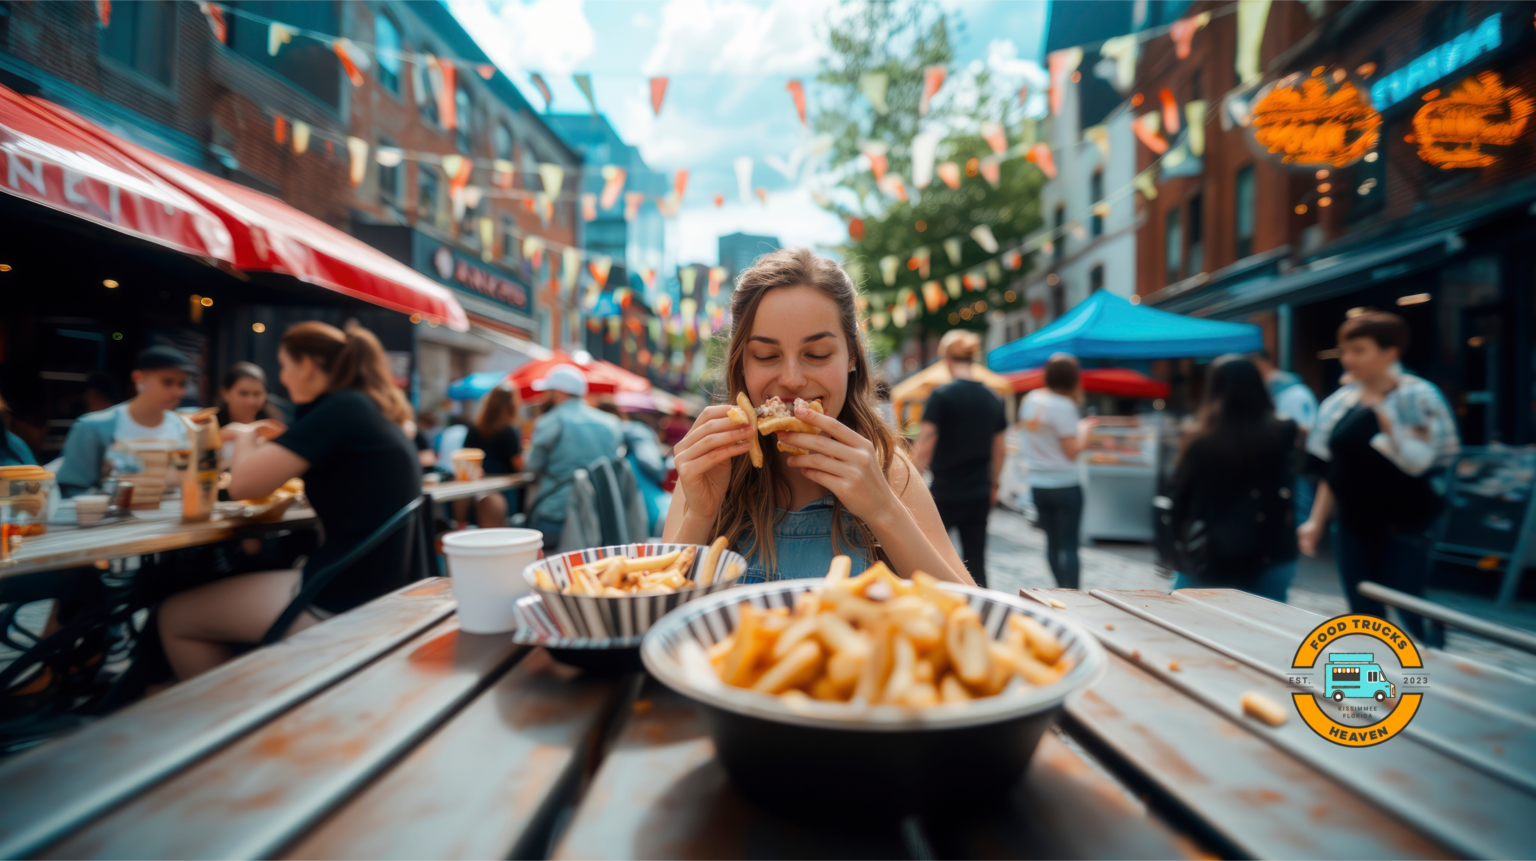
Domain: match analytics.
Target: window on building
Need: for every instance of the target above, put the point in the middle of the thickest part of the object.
(1058, 236)
(1196, 234)
(1245, 204)
(390, 190)
(1173, 246)
(502, 140)
(386, 41)
(140, 37)
(511, 247)
(1058, 300)
(1096, 191)
(1096, 278)
(428, 208)
(464, 117)
(469, 227)
(308, 64)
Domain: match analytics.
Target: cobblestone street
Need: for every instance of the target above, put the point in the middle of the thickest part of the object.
(1016, 560)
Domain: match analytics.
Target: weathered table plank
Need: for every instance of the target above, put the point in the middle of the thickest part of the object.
(448, 491)
(260, 793)
(47, 792)
(1470, 811)
(483, 780)
(144, 533)
(661, 793)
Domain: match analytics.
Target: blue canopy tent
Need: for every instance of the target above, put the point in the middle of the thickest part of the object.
(474, 386)
(1105, 326)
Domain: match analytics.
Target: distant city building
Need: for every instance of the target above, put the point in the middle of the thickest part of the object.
(738, 250)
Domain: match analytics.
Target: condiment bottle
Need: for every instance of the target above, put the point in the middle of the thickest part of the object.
(200, 484)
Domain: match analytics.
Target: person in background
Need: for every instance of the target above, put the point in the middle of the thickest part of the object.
(426, 438)
(1232, 488)
(961, 440)
(568, 437)
(1052, 437)
(359, 470)
(1293, 400)
(100, 392)
(884, 405)
(495, 433)
(243, 396)
(1380, 438)
(13, 451)
(160, 381)
(643, 451)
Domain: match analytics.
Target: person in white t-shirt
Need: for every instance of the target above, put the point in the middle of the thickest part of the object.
(1293, 400)
(160, 381)
(1052, 436)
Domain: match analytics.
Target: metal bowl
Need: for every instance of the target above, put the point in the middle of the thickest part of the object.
(600, 617)
(810, 757)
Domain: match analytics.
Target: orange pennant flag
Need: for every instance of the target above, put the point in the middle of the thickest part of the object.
(1170, 111)
(991, 172)
(719, 200)
(600, 267)
(679, 185)
(486, 70)
(658, 92)
(279, 129)
(1148, 135)
(588, 206)
(632, 201)
(950, 173)
(797, 90)
(613, 183)
(762, 194)
(216, 21)
(445, 102)
(878, 164)
(104, 12)
(1183, 33)
(1040, 154)
(933, 79)
(353, 75)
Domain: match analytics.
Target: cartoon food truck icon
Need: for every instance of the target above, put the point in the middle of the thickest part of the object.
(1355, 674)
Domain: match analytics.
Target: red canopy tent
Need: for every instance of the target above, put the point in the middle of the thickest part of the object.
(1120, 382)
(523, 377)
(48, 161)
(271, 236)
(624, 381)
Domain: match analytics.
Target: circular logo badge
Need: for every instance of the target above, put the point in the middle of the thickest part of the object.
(1363, 677)
(442, 261)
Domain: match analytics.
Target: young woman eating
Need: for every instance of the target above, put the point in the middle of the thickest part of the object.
(855, 492)
(358, 470)
(243, 395)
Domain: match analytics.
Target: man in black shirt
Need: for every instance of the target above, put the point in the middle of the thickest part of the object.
(961, 439)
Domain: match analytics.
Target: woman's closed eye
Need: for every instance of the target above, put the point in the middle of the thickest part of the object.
(768, 358)
(818, 357)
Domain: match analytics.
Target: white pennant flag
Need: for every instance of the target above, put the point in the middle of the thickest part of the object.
(744, 178)
(924, 147)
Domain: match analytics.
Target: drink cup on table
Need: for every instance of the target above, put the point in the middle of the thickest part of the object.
(467, 464)
(90, 508)
(487, 570)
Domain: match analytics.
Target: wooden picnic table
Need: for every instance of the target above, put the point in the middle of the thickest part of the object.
(448, 491)
(388, 733)
(140, 534)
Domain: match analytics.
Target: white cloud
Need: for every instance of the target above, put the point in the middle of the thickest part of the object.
(792, 216)
(552, 37)
(733, 37)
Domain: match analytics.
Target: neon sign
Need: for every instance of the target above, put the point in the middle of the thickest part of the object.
(1437, 63)
(1309, 121)
(1452, 131)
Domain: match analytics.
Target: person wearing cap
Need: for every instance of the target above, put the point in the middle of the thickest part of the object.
(566, 438)
(160, 382)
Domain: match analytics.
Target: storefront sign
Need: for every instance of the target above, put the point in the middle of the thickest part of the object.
(1453, 130)
(1437, 63)
(472, 278)
(1316, 120)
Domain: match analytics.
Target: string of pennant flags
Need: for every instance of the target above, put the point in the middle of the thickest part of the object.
(435, 77)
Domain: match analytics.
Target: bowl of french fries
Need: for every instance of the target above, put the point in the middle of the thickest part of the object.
(620, 591)
(893, 696)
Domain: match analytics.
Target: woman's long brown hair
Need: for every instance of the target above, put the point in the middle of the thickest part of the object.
(750, 506)
(499, 410)
(351, 360)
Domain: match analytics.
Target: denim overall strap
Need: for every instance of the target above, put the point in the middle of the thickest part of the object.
(803, 541)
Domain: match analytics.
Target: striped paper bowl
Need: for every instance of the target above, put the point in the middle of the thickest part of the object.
(594, 618)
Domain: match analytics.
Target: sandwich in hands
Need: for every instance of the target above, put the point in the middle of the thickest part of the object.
(772, 417)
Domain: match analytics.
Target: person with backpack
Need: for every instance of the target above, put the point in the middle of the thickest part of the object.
(1233, 515)
(1294, 401)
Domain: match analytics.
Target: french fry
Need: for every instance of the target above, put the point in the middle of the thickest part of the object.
(839, 635)
(732, 571)
(873, 674)
(903, 657)
(749, 412)
(711, 561)
(967, 644)
(751, 643)
(652, 563)
(922, 670)
(613, 575)
(798, 667)
(718, 651)
(844, 669)
(952, 690)
(546, 582)
(793, 636)
(838, 570)
(1042, 642)
(826, 689)
(920, 694)
(927, 586)
(1256, 705)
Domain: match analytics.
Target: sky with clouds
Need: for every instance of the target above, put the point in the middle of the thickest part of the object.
(728, 62)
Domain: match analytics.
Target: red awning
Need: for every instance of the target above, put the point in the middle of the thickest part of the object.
(271, 236)
(538, 368)
(1120, 382)
(47, 161)
(623, 381)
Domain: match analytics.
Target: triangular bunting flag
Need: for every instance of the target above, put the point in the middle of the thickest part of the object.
(952, 249)
(613, 184)
(278, 35)
(658, 92)
(584, 83)
(543, 88)
(446, 109)
(357, 148)
(1062, 64)
(992, 132)
(104, 13)
(873, 85)
(933, 79)
(300, 137)
(553, 176)
(983, 236)
(797, 91)
(588, 206)
(950, 173)
(632, 201)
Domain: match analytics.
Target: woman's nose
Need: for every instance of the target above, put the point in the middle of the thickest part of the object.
(793, 377)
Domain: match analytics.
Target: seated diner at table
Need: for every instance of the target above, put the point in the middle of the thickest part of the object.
(853, 490)
(160, 382)
(358, 470)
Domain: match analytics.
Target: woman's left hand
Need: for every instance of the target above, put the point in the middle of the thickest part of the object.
(843, 462)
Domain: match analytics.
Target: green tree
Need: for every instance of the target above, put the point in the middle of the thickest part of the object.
(901, 41)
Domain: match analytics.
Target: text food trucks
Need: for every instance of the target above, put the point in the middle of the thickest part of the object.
(1355, 674)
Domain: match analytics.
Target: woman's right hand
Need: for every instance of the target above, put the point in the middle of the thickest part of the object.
(1307, 536)
(703, 459)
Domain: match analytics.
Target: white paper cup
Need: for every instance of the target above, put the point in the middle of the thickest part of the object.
(90, 508)
(487, 570)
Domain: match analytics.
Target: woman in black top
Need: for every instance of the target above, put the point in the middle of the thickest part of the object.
(495, 433)
(358, 469)
(1232, 512)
